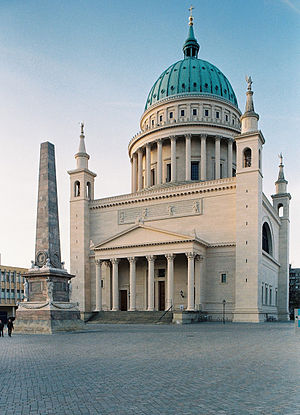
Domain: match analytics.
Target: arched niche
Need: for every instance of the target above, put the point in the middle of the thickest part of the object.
(247, 157)
(76, 188)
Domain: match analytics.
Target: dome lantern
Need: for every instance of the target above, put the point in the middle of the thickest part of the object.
(191, 46)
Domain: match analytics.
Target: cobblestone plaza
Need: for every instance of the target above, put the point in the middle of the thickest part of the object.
(200, 369)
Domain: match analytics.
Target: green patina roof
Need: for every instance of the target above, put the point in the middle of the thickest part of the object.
(191, 76)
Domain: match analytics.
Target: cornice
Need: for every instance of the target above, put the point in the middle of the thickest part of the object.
(158, 193)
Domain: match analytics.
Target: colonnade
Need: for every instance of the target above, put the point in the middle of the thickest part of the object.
(191, 257)
(137, 160)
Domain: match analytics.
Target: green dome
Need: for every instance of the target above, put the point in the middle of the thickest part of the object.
(191, 76)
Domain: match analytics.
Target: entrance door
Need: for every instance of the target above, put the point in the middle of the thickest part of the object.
(161, 295)
(123, 300)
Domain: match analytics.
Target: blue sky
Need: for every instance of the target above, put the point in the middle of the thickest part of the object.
(69, 60)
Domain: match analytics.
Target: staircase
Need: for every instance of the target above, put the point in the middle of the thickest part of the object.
(131, 317)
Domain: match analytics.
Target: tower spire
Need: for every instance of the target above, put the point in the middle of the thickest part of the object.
(81, 156)
(281, 183)
(250, 118)
(191, 46)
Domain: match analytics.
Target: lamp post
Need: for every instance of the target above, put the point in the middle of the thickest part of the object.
(224, 304)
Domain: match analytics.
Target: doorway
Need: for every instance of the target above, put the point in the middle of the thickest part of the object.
(123, 300)
(161, 296)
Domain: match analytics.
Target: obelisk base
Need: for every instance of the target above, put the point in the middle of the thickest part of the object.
(45, 318)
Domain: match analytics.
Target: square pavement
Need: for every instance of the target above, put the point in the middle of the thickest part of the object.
(200, 369)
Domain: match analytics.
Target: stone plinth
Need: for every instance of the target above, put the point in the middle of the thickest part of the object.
(47, 309)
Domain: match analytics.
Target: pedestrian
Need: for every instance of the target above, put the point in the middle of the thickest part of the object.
(10, 327)
(1, 328)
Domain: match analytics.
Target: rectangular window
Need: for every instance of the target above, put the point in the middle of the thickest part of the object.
(223, 278)
(217, 114)
(270, 296)
(262, 294)
(152, 123)
(226, 117)
(168, 178)
(194, 111)
(195, 170)
(171, 115)
(160, 118)
(161, 272)
(182, 113)
(152, 177)
(266, 295)
(206, 113)
(221, 171)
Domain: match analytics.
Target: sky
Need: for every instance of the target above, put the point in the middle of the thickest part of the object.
(67, 61)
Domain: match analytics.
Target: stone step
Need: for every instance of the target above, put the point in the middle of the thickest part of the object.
(130, 317)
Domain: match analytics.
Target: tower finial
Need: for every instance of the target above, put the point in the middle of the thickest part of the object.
(249, 119)
(281, 159)
(249, 82)
(191, 16)
(82, 128)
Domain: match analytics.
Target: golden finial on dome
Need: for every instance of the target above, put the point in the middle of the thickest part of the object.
(191, 16)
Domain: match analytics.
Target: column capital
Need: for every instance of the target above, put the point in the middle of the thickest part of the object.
(115, 261)
(150, 258)
(173, 137)
(148, 145)
(218, 137)
(188, 136)
(98, 261)
(199, 258)
(159, 140)
(190, 255)
(140, 150)
(230, 140)
(203, 136)
(170, 257)
(131, 259)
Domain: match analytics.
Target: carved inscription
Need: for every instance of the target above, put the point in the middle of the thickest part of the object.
(161, 211)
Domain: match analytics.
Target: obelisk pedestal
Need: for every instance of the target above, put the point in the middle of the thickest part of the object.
(46, 307)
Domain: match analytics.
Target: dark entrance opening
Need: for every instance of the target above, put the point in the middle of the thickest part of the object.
(123, 300)
(161, 295)
(3, 316)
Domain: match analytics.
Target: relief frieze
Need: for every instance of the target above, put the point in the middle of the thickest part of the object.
(161, 211)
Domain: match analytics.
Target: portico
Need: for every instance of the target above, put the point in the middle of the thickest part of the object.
(162, 279)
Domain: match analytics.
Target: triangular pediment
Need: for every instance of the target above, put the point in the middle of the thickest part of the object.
(141, 235)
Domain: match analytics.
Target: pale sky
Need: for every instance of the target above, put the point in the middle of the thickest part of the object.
(95, 61)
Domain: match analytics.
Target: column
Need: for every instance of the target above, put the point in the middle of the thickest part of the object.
(170, 280)
(98, 286)
(217, 157)
(140, 169)
(203, 157)
(20, 288)
(0, 285)
(115, 284)
(132, 283)
(173, 158)
(191, 281)
(9, 285)
(5, 286)
(15, 287)
(229, 158)
(199, 282)
(134, 172)
(150, 259)
(148, 165)
(188, 157)
(159, 161)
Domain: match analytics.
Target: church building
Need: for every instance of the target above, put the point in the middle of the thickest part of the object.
(196, 232)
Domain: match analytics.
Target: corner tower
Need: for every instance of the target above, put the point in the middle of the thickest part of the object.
(248, 214)
(281, 202)
(81, 193)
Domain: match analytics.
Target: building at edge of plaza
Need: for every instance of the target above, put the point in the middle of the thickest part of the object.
(196, 228)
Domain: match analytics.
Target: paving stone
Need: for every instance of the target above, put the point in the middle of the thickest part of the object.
(201, 369)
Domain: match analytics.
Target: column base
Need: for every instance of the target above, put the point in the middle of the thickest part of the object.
(150, 309)
(248, 316)
(115, 309)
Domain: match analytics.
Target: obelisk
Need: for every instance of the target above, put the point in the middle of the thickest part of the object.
(46, 307)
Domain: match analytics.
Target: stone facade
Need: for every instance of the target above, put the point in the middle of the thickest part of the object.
(196, 229)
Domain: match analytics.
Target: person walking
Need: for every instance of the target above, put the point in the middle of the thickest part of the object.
(1, 328)
(10, 327)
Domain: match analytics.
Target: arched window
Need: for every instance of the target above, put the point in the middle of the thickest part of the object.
(77, 188)
(88, 190)
(259, 159)
(267, 239)
(247, 157)
(280, 210)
